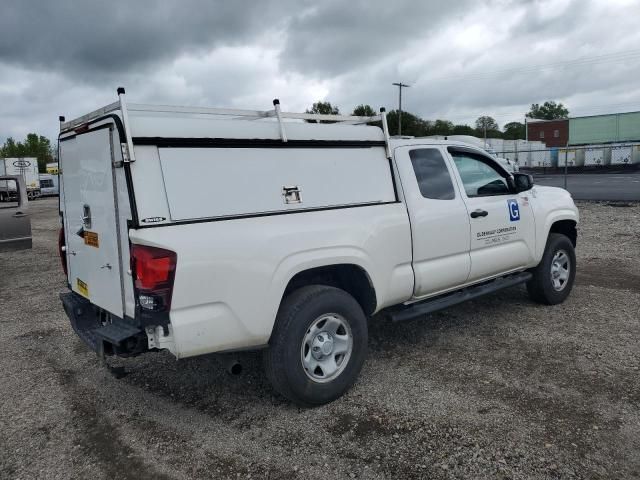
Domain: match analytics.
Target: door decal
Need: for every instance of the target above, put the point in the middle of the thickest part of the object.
(514, 210)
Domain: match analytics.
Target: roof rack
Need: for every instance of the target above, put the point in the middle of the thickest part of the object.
(230, 112)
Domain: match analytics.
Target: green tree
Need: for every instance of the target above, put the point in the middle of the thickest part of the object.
(323, 108)
(33, 146)
(9, 149)
(412, 124)
(514, 131)
(488, 125)
(442, 127)
(486, 122)
(463, 130)
(364, 111)
(548, 111)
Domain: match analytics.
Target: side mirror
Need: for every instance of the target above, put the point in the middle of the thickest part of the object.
(522, 182)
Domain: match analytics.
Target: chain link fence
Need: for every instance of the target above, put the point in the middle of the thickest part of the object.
(604, 157)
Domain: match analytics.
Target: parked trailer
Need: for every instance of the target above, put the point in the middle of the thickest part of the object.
(597, 156)
(49, 184)
(622, 154)
(540, 158)
(573, 157)
(509, 152)
(27, 168)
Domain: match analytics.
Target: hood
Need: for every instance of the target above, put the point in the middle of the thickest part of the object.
(554, 198)
(548, 192)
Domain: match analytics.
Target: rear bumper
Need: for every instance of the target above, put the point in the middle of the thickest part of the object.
(102, 332)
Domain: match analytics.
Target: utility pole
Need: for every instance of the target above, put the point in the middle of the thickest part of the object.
(400, 85)
(485, 133)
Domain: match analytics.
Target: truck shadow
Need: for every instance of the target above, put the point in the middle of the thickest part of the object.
(479, 316)
(202, 383)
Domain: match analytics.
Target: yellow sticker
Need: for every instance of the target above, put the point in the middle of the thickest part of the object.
(91, 239)
(83, 288)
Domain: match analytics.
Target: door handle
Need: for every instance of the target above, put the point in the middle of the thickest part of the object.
(19, 214)
(479, 213)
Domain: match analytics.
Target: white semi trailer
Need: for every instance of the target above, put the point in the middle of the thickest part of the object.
(25, 167)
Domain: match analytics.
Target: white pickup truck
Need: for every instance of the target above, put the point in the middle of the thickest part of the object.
(203, 230)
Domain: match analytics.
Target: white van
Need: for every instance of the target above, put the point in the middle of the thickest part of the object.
(48, 184)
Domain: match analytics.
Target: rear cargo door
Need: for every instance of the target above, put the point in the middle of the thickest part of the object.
(90, 216)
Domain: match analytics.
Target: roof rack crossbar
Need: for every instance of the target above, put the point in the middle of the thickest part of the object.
(256, 114)
(239, 113)
(76, 122)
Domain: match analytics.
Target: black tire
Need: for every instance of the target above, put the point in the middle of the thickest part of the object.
(282, 360)
(540, 287)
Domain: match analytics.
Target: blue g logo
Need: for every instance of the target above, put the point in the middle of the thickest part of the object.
(514, 210)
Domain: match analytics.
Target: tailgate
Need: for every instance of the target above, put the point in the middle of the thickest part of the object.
(90, 219)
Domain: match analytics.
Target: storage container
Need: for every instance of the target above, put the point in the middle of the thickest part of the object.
(622, 154)
(597, 155)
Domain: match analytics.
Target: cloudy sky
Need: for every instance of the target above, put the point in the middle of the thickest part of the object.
(462, 58)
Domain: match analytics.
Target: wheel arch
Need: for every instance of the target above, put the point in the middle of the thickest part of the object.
(567, 227)
(562, 221)
(350, 277)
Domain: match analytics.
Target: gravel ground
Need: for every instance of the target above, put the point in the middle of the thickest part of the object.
(496, 388)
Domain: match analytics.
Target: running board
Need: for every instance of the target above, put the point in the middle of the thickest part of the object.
(431, 305)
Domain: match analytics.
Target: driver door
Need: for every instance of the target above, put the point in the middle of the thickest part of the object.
(502, 223)
(15, 224)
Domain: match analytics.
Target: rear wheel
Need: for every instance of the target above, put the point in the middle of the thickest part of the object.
(318, 345)
(553, 278)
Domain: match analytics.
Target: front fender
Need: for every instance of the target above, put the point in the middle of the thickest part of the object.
(550, 219)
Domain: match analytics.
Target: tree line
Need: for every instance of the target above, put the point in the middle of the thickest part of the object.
(414, 125)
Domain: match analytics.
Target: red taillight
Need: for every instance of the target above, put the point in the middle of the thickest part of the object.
(153, 272)
(61, 250)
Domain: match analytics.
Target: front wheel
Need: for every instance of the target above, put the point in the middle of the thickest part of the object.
(318, 345)
(553, 278)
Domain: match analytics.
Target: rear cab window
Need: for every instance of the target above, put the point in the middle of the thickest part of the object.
(432, 174)
(479, 176)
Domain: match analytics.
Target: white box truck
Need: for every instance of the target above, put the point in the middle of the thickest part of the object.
(212, 230)
(25, 167)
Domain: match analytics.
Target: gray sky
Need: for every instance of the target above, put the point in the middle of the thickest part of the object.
(463, 58)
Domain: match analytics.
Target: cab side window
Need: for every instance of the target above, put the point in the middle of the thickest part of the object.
(432, 174)
(479, 177)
